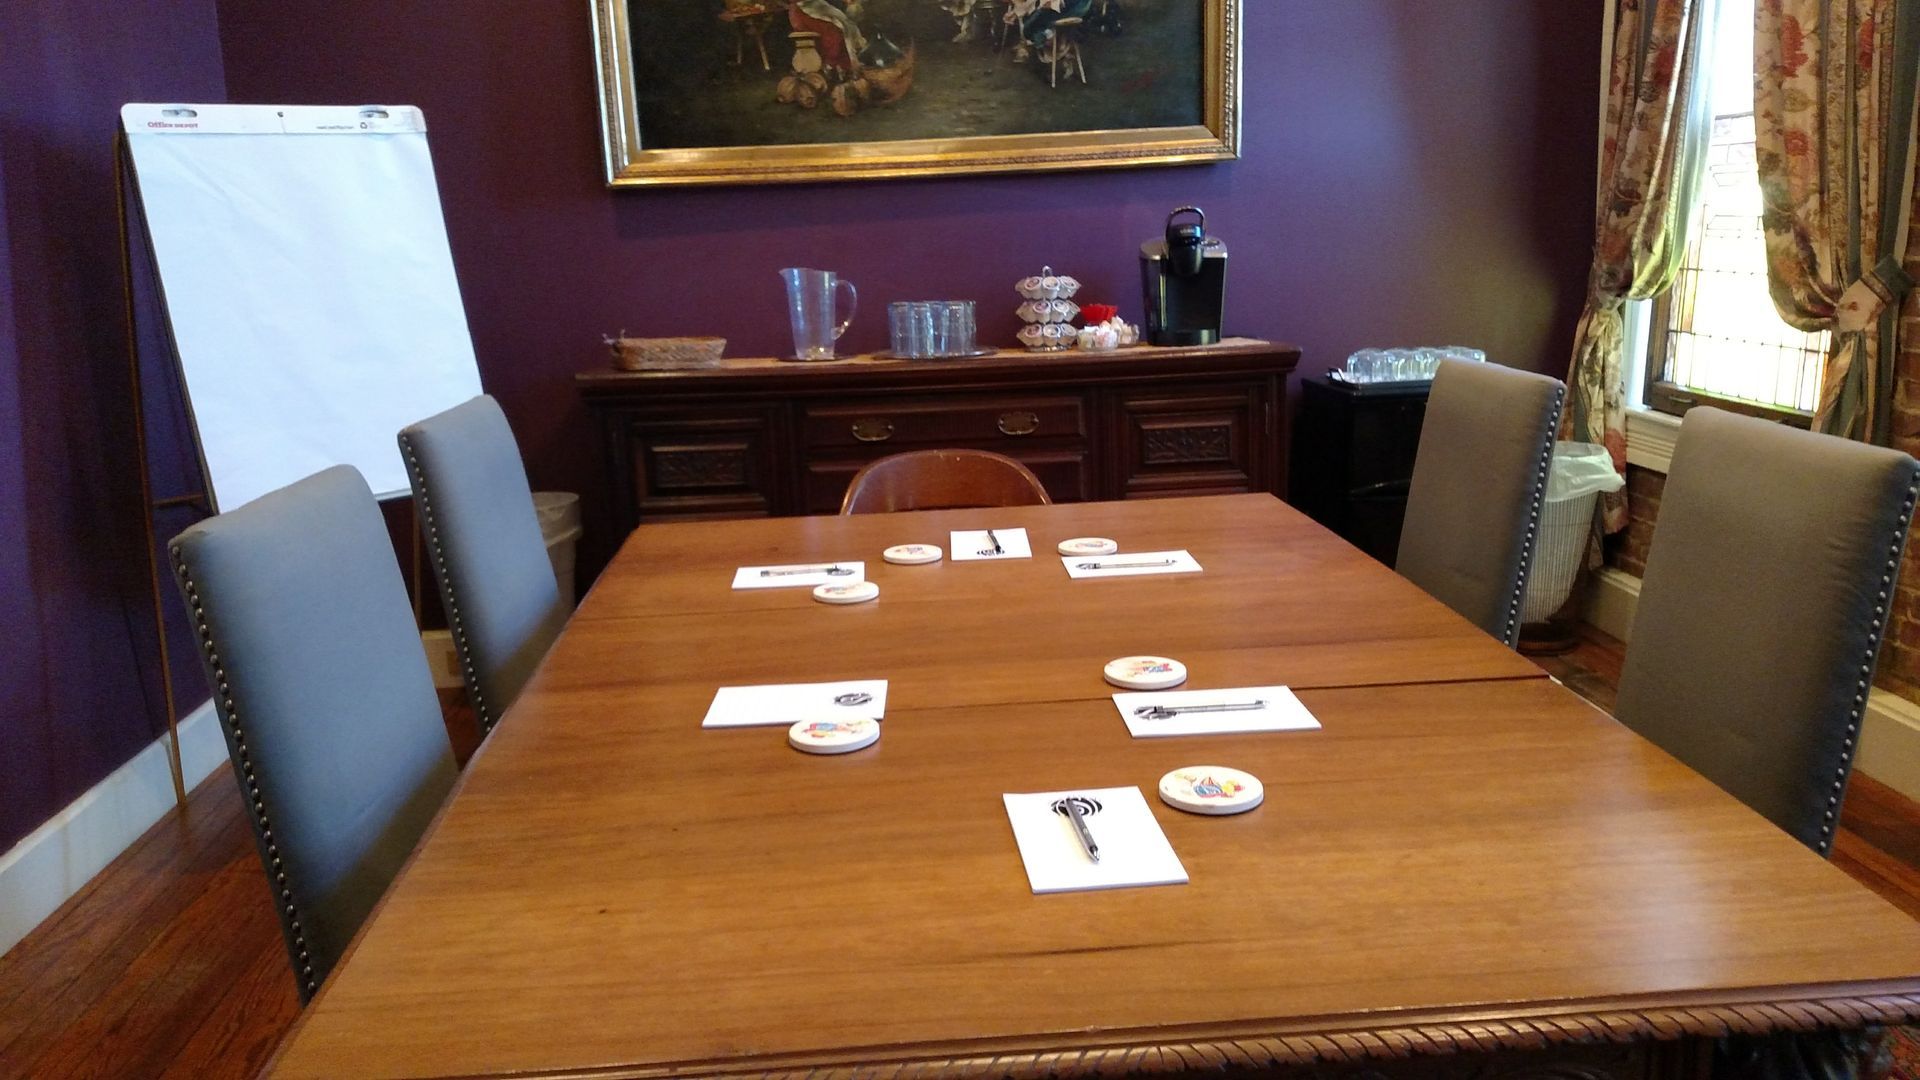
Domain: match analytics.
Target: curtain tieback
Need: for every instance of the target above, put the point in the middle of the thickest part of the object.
(1877, 290)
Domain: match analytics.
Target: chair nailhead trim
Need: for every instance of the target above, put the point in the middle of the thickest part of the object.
(1518, 593)
(455, 623)
(1875, 628)
(231, 716)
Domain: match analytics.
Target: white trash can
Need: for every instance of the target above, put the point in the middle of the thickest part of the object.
(559, 514)
(1580, 472)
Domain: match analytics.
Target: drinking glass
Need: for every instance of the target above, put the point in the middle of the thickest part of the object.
(1400, 365)
(904, 330)
(960, 329)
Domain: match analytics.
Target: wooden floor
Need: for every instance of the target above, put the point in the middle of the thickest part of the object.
(170, 962)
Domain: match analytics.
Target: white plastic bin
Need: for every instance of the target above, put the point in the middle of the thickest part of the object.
(1580, 472)
(559, 514)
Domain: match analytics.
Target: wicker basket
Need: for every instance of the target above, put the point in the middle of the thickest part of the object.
(666, 353)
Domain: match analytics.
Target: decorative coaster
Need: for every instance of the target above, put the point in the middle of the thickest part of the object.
(1145, 672)
(913, 554)
(833, 736)
(1089, 545)
(1211, 789)
(853, 592)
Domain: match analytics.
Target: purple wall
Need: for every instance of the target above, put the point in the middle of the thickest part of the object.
(78, 693)
(1413, 172)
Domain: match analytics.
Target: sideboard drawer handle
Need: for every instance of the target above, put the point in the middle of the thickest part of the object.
(873, 430)
(1019, 423)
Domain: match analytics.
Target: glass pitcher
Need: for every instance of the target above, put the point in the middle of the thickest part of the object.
(811, 296)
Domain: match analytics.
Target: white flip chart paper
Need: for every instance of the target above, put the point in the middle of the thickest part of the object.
(308, 281)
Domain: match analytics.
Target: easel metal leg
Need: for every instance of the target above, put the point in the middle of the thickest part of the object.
(147, 505)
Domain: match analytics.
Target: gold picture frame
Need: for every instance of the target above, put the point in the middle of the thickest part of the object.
(631, 162)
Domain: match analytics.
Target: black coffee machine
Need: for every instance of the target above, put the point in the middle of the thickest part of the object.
(1185, 275)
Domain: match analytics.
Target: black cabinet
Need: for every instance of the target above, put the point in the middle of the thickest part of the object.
(1353, 456)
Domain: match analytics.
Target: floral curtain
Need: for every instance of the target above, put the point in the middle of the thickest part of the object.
(1656, 128)
(1834, 115)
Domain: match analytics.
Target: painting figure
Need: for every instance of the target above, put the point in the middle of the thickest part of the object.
(836, 21)
(968, 15)
(1036, 18)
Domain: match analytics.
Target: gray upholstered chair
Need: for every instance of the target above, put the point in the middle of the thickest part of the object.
(324, 694)
(1473, 508)
(496, 582)
(1762, 610)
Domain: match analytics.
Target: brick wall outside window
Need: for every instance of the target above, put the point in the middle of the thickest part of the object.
(1900, 656)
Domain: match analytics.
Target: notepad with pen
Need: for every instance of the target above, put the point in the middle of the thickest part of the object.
(1115, 843)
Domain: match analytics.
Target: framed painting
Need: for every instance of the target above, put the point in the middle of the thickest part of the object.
(780, 91)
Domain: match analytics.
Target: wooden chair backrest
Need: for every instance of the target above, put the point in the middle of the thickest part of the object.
(942, 480)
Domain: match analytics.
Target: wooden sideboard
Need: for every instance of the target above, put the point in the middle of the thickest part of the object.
(759, 437)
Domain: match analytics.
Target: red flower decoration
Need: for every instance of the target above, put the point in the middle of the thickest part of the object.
(1793, 42)
(1094, 314)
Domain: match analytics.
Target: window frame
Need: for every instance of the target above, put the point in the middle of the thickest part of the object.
(1674, 399)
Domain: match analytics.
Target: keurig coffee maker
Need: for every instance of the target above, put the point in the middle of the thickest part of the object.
(1185, 275)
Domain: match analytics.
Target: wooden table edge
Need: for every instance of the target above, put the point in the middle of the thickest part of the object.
(1320, 1040)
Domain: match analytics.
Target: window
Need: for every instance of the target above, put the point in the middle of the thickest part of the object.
(1715, 337)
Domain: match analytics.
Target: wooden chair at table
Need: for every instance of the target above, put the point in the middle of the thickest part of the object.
(1766, 596)
(1473, 505)
(496, 581)
(942, 480)
(325, 699)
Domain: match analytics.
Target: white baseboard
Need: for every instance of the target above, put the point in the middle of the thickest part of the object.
(1889, 734)
(1610, 602)
(51, 864)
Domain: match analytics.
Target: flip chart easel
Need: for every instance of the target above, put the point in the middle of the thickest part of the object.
(307, 297)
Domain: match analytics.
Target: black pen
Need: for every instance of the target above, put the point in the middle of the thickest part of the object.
(995, 541)
(1079, 818)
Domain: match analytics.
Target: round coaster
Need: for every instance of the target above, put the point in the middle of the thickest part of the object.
(833, 736)
(1089, 545)
(853, 592)
(912, 554)
(1145, 672)
(1211, 789)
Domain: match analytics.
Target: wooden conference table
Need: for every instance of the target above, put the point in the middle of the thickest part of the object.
(1467, 859)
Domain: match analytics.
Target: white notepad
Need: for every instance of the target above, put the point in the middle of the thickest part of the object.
(1133, 850)
(797, 574)
(1131, 564)
(1200, 712)
(968, 545)
(787, 703)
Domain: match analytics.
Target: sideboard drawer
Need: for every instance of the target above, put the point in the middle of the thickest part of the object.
(917, 423)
